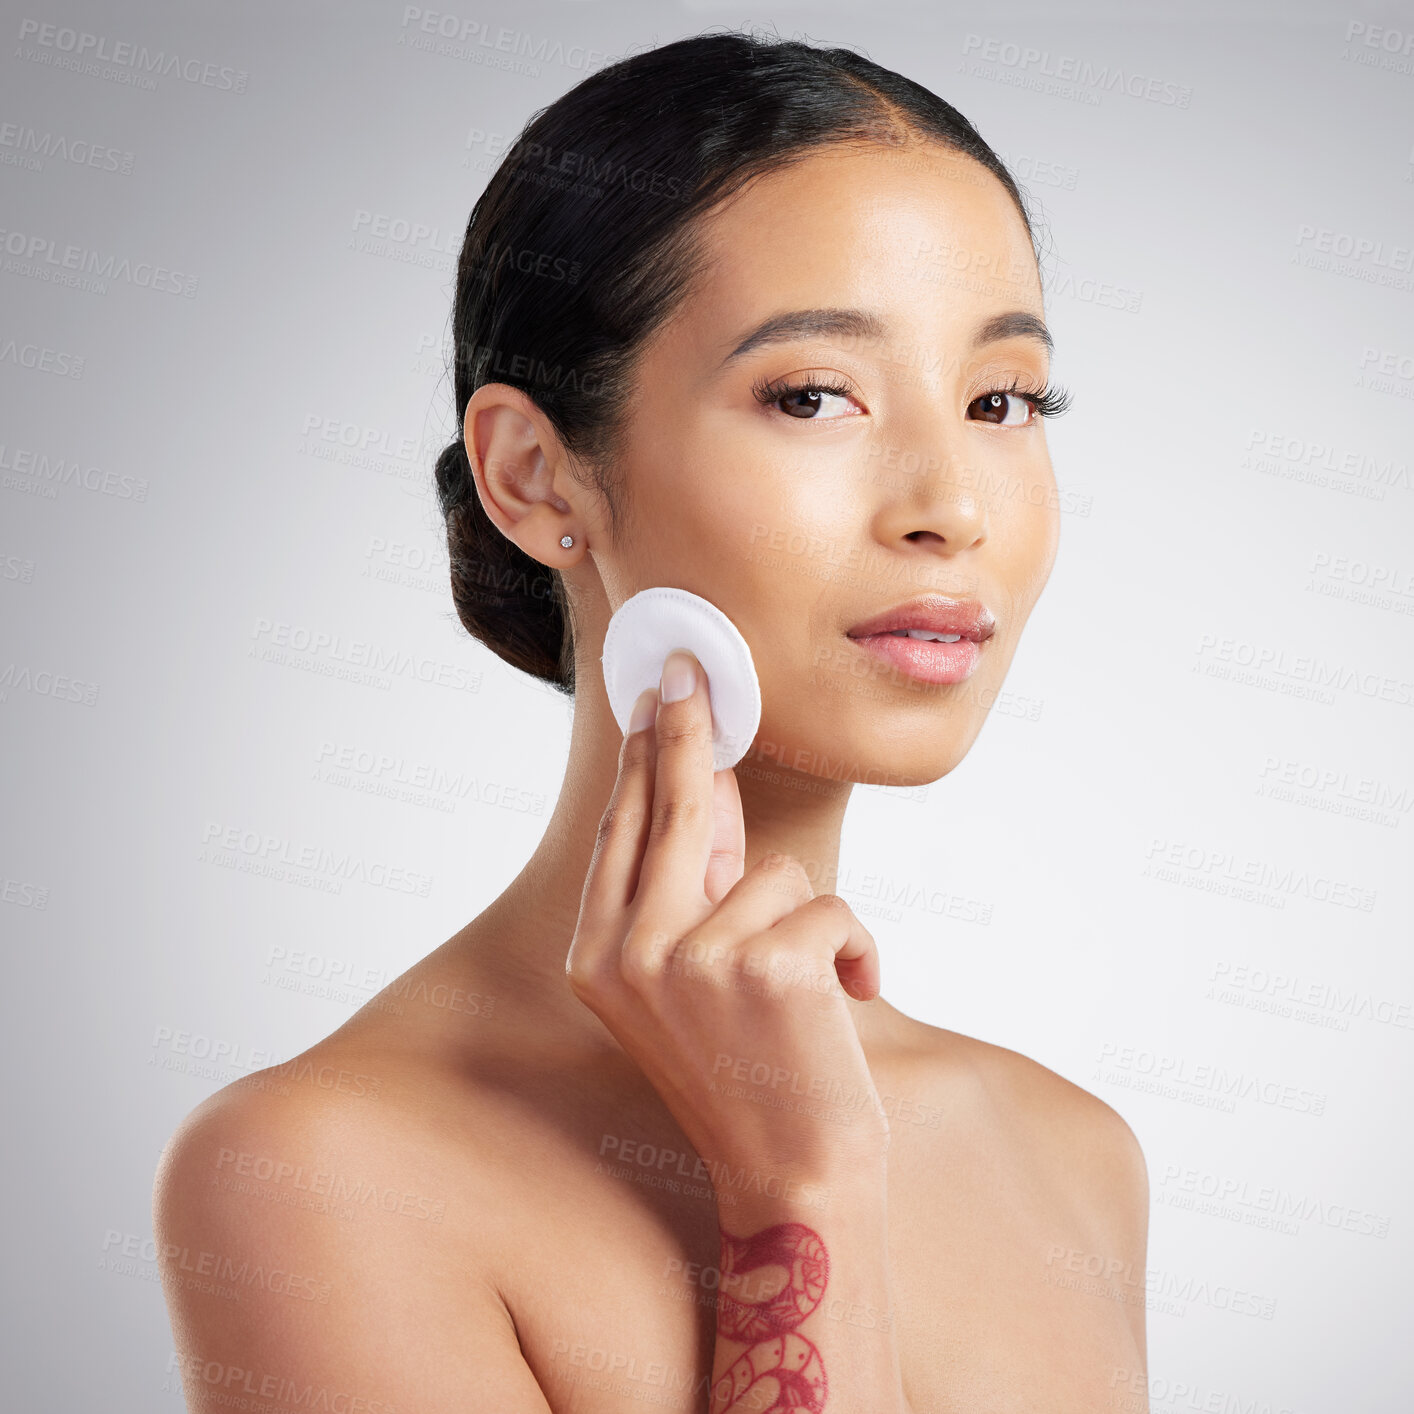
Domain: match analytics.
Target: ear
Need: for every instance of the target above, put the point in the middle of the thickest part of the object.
(516, 461)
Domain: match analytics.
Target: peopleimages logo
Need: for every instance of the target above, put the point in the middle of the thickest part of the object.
(239, 1388)
(61, 47)
(1296, 457)
(43, 360)
(1288, 994)
(1210, 1085)
(1261, 665)
(1268, 1200)
(1283, 879)
(233, 843)
(29, 148)
(319, 650)
(1378, 46)
(472, 40)
(1037, 64)
(43, 257)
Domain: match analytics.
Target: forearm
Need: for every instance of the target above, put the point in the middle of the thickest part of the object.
(805, 1310)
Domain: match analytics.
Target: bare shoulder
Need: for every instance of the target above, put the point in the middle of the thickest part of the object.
(1085, 1164)
(290, 1128)
(1098, 1143)
(315, 1230)
(1088, 1143)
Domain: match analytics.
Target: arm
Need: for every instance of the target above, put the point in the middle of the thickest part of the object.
(1105, 1165)
(1124, 1180)
(707, 974)
(277, 1305)
(805, 1313)
(1087, 1146)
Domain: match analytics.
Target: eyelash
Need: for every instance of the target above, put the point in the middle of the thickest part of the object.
(767, 393)
(1048, 400)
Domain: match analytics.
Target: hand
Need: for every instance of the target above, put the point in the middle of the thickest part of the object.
(724, 986)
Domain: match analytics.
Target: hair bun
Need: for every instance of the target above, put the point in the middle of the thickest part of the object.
(504, 598)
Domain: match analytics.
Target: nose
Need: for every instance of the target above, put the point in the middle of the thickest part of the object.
(933, 505)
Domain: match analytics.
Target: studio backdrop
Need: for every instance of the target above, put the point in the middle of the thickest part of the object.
(254, 767)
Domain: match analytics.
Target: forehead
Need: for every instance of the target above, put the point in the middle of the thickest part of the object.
(924, 233)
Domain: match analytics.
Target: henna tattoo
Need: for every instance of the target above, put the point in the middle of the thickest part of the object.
(788, 1359)
(778, 1352)
(793, 1246)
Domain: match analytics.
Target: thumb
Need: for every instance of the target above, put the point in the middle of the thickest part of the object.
(727, 862)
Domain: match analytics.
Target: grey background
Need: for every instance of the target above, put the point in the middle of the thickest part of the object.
(184, 473)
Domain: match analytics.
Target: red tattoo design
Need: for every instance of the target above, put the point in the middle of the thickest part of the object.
(777, 1353)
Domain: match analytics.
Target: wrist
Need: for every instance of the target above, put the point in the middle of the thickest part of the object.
(749, 1196)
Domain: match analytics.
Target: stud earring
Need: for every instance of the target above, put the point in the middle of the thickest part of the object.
(567, 541)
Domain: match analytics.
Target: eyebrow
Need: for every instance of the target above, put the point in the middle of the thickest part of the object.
(862, 323)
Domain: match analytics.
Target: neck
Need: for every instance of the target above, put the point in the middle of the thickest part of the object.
(521, 941)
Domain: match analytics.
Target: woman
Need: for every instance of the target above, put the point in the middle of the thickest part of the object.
(763, 321)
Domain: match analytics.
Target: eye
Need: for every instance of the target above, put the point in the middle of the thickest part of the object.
(1014, 406)
(805, 398)
(1004, 409)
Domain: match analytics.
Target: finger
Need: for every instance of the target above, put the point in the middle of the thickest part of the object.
(727, 860)
(828, 922)
(681, 824)
(772, 889)
(612, 877)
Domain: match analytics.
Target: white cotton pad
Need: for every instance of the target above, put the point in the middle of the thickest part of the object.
(647, 627)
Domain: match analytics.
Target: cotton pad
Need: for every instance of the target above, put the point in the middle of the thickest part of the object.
(647, 627)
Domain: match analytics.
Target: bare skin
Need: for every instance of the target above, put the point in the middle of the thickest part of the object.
(486, 1201)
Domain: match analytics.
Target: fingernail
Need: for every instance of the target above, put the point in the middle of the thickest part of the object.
(679, 676)
(645, 708)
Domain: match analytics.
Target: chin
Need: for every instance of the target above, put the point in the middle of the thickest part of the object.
(910, 770)
(899, 741)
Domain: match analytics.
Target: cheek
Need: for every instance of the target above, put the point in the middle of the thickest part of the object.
(774, 526)
(1024, 531)
(678, 529)
(750, 536)
(786, 557)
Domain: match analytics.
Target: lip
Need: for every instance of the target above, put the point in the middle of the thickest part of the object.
(968, 618)
(922, 659)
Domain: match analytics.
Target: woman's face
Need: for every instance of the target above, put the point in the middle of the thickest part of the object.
(805, 514)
